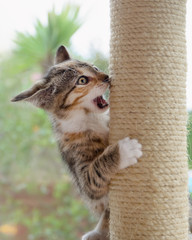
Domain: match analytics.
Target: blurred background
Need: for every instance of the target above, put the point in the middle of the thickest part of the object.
(37, 201)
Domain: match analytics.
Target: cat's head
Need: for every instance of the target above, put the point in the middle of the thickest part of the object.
(69, 85)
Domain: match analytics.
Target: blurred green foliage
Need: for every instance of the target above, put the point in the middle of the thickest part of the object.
(37, 50)
(54, 212)
(99, 60)
(29, 159)
(24, 133)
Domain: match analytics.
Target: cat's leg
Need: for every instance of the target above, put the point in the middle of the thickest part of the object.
(98, 173)
(101, 232)
(119, 156)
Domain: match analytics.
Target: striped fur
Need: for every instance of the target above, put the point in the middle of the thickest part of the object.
(81, 129)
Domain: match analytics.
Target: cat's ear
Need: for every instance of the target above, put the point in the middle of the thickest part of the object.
(26, 95)
(61, 55)
(38, 94)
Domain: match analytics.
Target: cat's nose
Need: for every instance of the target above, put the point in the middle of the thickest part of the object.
(106, 79)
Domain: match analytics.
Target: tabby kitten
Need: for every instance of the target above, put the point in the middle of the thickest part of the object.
(72, 94)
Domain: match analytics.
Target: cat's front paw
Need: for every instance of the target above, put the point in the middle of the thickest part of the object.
(94, 235)
(130, 151)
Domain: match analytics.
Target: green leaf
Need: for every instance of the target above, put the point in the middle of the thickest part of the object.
(38, 49)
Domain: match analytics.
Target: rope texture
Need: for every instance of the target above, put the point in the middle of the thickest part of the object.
(148, 66)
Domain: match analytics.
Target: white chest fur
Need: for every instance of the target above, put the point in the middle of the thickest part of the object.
(79, 121)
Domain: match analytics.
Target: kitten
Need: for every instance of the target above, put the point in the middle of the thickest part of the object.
(72, 94)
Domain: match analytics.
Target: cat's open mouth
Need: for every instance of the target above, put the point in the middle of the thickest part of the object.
(100, 102)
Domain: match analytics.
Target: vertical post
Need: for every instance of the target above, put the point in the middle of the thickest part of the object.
(148, 66)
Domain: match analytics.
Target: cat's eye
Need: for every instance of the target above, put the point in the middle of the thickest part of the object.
(82, 80)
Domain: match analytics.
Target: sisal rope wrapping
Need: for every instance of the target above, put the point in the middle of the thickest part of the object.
(148, 66)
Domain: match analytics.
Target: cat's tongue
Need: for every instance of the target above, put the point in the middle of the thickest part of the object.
(100, 101)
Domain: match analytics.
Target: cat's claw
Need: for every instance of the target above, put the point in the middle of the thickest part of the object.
(130, 151)
(94, 235)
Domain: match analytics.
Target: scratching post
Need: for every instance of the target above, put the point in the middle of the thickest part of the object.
(148, 66)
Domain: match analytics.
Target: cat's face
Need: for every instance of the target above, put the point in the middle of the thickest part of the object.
(69, 85)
